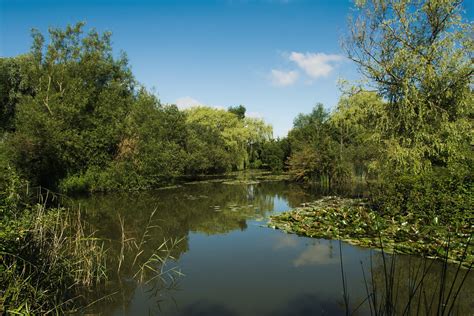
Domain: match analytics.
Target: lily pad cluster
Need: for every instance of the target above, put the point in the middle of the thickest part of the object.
(353, 221)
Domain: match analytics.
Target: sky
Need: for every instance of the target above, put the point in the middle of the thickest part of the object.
(278, 58)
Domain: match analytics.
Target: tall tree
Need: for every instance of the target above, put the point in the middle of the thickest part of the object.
(417, 54)
(74, 117)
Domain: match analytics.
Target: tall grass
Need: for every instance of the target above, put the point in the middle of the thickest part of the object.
(138, 260)
(150, 256)
(48, 257)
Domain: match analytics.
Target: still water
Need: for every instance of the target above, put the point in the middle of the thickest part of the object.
(203, 248)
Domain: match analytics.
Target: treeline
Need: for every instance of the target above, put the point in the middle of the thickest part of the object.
(73, 117)
(336, 148)
(409, 127)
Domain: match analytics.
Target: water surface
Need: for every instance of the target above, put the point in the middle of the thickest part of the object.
(232, 264)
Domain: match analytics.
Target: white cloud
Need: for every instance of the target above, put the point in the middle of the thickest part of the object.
(315, 64)
(186, 102)
(283, 78)
(315, 255)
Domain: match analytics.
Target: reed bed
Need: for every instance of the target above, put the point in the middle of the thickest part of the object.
(48, 257)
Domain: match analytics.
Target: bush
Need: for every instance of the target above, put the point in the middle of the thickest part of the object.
(439, 195)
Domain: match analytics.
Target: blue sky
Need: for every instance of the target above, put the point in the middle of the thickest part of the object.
(276, 57)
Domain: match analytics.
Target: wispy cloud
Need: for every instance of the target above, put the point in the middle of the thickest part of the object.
(315, 65)
(186, 102)
(283, 78)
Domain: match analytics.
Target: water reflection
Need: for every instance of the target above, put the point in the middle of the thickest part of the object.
(231, 265)
(420, 286)
(316, 254)
(285, 241)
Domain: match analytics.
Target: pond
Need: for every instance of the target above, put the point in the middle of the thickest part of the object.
(214, 255)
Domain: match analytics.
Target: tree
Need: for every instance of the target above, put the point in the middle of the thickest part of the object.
(309, 128)
(273, 154)
(216, 140)
(15, 81)
(417, 54)
(154, 139)
(74, 117)
(219, 140)
(238, 110)
(314, 150)
(354, 124)
(257, 133)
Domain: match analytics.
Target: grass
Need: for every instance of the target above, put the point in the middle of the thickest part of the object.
(51, 259)
(147, 267)
(48, 257)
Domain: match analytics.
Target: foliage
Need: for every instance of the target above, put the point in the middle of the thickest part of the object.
(417, 54)
(74, 116)
(354, 128)
(15, 80)
(315, 153)
(238, 110)
(11, 187)
(47, 257)
(274, 153)
(438, 195)
(353, 221)
(218, 141)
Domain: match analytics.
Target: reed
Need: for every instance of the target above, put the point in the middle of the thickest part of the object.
(425, 288)
(145, 258)
(48, 258)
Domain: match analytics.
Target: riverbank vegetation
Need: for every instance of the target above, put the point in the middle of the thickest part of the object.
(74, 119)
(410, 137)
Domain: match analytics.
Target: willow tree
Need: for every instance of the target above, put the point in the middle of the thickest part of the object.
(354, 127)
(417, 55)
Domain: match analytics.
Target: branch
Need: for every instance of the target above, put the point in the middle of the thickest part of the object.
(46, 101)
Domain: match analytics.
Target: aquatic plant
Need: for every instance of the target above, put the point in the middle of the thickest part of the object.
(353, 221)
(396, 287)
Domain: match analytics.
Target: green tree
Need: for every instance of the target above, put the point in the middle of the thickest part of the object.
(417, 54)
(220, 141)
(238, 110)
(15, 81)
(354, 126)
(216, 140)
(75, 116)
(314, 151)
(154, 139)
